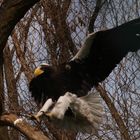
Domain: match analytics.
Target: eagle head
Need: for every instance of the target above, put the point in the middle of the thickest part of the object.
(43, 69)
(43, 85)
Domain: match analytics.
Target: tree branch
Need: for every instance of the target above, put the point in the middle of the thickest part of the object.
(21, 57)
(122, 128)
(29, 131)
(11, 12)
(98, 6)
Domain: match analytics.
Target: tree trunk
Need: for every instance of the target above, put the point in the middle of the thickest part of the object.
(11, 89)
(11, 11)
(3, 129)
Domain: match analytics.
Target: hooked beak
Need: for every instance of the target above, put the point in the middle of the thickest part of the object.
(38, 71)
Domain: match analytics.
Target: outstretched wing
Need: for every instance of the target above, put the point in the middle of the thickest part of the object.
(100, 54)
(102, 51)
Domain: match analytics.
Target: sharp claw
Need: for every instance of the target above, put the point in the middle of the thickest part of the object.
(49, 114)
(54, 115)
(35, 117)
(43, 113)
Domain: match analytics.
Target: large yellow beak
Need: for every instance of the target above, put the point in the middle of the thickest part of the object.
(38, 71)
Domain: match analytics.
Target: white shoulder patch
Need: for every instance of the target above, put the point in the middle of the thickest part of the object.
(85, 49)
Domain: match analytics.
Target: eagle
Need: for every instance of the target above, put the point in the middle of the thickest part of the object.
(65, 89)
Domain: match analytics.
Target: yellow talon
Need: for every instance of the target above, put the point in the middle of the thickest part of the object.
(35, 117)
(50, 115)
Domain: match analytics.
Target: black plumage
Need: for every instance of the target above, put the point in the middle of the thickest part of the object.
(100, 54)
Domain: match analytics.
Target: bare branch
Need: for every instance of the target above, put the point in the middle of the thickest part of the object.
(21, 57)
(10, 14)
(122, 128)
(29, 131)
(94, 15)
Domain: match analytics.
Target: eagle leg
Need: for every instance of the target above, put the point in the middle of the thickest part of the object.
(61, 106)
(43, 110)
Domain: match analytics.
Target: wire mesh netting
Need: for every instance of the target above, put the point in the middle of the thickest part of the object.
(52, 32)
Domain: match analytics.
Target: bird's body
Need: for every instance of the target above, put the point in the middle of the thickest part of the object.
(100, 54)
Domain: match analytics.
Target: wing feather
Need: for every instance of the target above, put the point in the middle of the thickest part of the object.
(100, 54)
(103, 50)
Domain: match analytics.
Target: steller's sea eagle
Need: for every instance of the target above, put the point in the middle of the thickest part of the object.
(96, 59)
